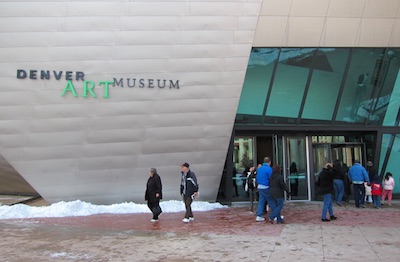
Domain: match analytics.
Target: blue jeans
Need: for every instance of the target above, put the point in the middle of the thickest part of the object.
(359, 194)
(377, 201)
(263, 200)
(339, 190)
(276, 211)
(327, 206)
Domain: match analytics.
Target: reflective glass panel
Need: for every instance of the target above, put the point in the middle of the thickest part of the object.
(243, 159)
(256, 85)
(298, 171)
(393, 153)
(289, 84)
(385, 80)
(360, 85)
(327, 76)
(392, 79)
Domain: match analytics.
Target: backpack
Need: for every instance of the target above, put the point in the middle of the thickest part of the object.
(251, 181)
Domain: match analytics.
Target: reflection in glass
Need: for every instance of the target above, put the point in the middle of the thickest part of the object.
(298, 175)
(325, 84)
(256, 84)
(393, 151)
(369, 85)
(384, 79)
(290, 81)
(363, 94)
(243, 159)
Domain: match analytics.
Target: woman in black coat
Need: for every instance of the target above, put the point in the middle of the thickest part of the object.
(325, 184)
(154, 194)
(277, 186)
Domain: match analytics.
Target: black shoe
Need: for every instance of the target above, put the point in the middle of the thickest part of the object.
(325, 220)
(339, 204)
(362, 206)
(333, 218)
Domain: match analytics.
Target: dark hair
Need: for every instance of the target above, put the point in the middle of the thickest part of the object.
(337, 163)
(276, 168)
(388, 174)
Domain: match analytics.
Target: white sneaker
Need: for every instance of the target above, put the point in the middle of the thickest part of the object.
(186, 220)
(260, 219)
(191, 218)
(153, 220)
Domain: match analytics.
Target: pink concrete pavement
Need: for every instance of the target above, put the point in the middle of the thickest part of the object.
(230, 234)
(237, 220)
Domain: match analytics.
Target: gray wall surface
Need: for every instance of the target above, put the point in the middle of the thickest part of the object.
(99, 149)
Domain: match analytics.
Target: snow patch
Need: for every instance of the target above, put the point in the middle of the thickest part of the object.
(81, 208)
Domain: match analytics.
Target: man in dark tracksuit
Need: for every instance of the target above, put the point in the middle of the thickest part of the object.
(154, 194)
(189, 189)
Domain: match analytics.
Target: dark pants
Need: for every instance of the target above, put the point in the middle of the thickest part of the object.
(359, 194)
(188, 202)
(154, 207)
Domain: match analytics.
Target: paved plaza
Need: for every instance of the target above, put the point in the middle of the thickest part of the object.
(230, 234)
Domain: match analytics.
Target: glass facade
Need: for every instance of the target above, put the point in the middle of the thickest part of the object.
(390, 158)
(325, 88)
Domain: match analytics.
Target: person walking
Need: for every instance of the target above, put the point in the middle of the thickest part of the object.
(189, 190)
(376, 190)
(325, 183)
(358, 175)
(338, 182)
(153, 194)
(277, 187)
(388, 186)
(263, 175)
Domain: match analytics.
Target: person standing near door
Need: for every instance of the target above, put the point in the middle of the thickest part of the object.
(189, 190)
(154, 194)
(325, 183)
(277, 189)
(263, 175)
(338, 182)
(358, 175)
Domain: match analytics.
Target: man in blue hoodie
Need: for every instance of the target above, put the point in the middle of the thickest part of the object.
(264, 172)
(358, 175)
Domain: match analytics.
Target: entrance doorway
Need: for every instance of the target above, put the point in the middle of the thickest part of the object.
(297, 171)
(301, 158)
(346, 153)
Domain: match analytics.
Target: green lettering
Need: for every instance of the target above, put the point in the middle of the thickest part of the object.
(106, 87)
(69, 87)
(86, 88)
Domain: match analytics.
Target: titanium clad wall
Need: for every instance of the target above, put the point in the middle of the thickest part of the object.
(328, 23)
(99, 149)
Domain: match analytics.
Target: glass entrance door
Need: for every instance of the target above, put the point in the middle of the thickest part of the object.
(296, 170)
(329, 153)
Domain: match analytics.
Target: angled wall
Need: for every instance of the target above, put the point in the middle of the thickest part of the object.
(93, 94)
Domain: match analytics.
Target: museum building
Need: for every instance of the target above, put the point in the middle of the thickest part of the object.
(94, 94)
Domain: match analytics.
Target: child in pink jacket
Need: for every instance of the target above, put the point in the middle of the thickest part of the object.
(388, 185)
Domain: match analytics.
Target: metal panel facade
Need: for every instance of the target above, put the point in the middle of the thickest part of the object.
(175, 68)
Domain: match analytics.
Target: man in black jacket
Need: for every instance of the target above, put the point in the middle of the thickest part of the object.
(154, 194)
(189, 189)
(325, 183)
